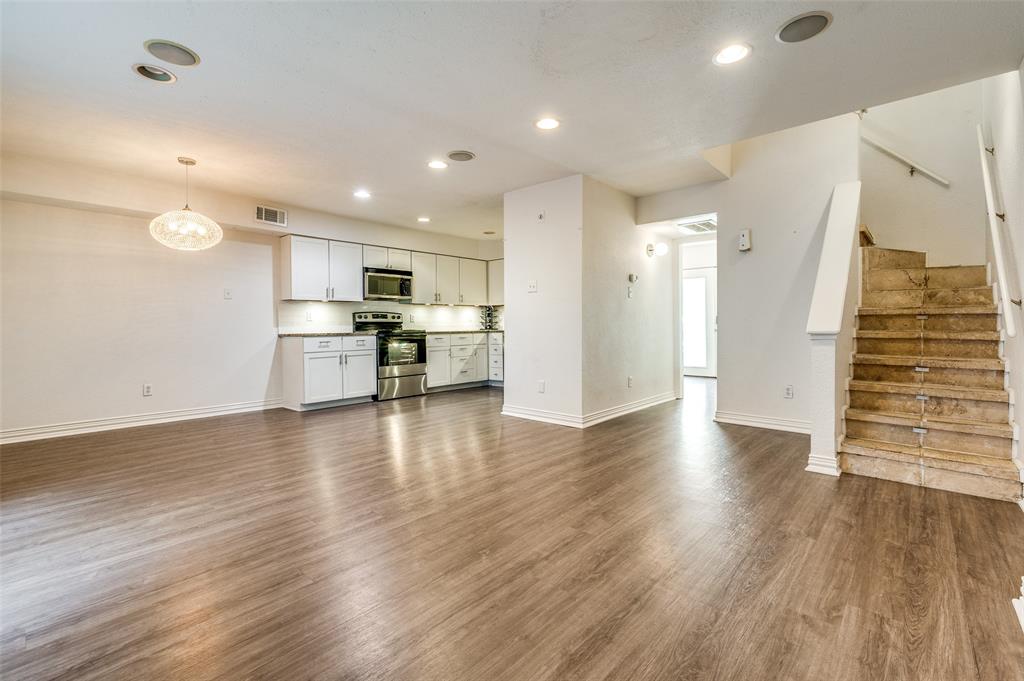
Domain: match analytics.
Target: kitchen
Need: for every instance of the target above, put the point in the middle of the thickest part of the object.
(385, 323)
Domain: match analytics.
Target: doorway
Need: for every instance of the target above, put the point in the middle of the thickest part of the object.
(699, 307)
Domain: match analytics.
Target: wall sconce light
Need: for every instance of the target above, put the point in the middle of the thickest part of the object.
(657, 249)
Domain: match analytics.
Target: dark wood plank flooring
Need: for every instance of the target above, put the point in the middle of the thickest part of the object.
(429, 539)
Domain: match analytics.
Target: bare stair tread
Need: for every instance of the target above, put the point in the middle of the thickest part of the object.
(970, 426)
(930, 335)
(931, 390)
(930, 309)
(931, 362)
(977, 464)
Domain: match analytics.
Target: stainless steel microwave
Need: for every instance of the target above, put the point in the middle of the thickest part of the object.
(379, 284)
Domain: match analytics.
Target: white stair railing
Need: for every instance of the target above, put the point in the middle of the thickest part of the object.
(830, 323)
(998, 252)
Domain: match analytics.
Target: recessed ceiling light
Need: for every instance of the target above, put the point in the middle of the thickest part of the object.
(803, 27)
(361, 194)
(461, 155)
(171, 52)
(423, 219)
(154, 73)
(732, 54)
(437, 164)
(548, 123)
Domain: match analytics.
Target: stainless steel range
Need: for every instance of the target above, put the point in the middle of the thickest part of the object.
(401, 354)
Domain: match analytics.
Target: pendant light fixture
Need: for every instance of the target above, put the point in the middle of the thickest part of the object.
(186, 230)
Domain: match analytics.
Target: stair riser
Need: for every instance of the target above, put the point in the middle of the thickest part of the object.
(927, 297)
(980, 410)
(935, 478)
(970, 443)
(957, 277)
(934, 322)
(966, 378)
(894, 279)
(882, 258)
(928, 347)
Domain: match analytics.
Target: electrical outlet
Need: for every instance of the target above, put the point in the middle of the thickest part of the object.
(540, 386)
(228, 295)
(788, 394)
(629, 381)
(412, 318)
(531, 286)
(147, 389)
(309, 315)
(629, 291)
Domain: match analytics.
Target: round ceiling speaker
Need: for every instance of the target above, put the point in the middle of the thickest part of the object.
(154, 73)
(461, 155)
(171, 52)
(803, 27)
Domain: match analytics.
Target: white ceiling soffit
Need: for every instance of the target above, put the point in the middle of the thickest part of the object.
(301, 103)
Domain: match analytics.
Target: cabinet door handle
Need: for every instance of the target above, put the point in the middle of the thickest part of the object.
(327, 292)
(332, 292)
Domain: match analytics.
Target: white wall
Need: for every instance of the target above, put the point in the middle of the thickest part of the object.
(544, 330)
(93, 308)
(698, 254)
(622, 336)
(916, 213)
(780, 189)
(1004, 128)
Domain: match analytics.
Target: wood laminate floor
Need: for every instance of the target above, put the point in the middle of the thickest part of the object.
(432, 539)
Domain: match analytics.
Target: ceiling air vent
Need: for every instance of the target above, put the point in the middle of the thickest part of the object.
(272, 216)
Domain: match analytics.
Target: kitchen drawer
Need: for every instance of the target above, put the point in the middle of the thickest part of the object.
(440, 340)
(462, 338)
(479, 339)
(497, 362)
(463, 350)
(496, 338)
(359, 342)
(496, 350)
(497, 374)
(318, 344)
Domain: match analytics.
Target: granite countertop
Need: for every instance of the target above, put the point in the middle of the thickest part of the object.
(315, 334)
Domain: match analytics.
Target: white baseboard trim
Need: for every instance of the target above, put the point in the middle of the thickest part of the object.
(112, 423)
(826, 465)
(592, 419)
(769, 422)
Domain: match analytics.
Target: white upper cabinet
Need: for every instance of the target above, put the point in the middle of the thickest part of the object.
(424, 278)
(472, 282)
(447, 280)
(346, 271)
(399, 259)
(496, 282)
(305, 268)
(387, 258)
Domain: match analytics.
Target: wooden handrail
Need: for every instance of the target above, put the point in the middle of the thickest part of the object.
(914, 167)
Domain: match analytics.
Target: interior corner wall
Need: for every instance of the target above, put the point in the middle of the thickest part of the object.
(915, 213)
(543, 327)
(780, 190)
(93, 308)
(623, 336)
(1003, 114)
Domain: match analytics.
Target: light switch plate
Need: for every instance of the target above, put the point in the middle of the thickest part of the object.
(228, 295)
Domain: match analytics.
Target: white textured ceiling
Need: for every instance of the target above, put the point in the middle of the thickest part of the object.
(301, 103)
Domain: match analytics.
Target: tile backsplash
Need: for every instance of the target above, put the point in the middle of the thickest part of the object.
(295, 316)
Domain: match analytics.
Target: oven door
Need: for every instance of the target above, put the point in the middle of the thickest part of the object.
(387, 285)
(401, 356)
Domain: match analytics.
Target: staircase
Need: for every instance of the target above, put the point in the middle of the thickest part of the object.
(927, 398)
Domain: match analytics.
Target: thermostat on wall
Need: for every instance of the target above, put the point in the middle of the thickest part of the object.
(744, 241)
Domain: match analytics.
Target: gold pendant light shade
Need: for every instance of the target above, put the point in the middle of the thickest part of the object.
(186, 230)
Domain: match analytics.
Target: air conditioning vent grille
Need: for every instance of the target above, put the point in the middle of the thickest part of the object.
(272, 216)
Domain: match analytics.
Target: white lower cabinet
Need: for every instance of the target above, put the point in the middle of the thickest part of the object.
(359, 369)
(496, 357)
(439, 366)
(322, 377)
(327, 369)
